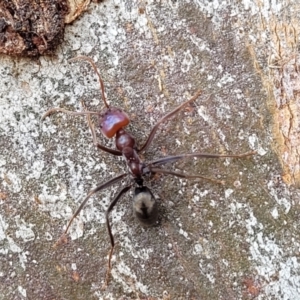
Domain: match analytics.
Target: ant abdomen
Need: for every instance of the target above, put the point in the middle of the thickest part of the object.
(112, 121)
(145, 206)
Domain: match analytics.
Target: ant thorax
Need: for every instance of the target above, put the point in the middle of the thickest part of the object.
(124, 140)
(133, 161)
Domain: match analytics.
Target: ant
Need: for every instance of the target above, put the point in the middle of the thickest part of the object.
(113, 120)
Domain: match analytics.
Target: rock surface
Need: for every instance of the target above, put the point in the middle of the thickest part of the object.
(236, 241)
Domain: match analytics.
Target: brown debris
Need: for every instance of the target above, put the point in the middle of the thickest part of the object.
(30, 27)
(33, 27)
(252, 287)
(75, 276)
(3, 196)
(76, 7)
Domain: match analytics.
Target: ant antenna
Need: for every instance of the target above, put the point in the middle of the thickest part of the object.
(88, 59)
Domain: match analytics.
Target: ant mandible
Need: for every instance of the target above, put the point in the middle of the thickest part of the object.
(112, 123)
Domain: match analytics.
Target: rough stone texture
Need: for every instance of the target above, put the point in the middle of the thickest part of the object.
(237, 241)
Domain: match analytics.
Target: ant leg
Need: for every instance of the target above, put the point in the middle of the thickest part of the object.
(169, 115)
(91, 193)
(186, 176)
(112, 241)
(174, 158)
(72, 113)
(82, 113)
(90, 124)
(96, 143)
(88, 59)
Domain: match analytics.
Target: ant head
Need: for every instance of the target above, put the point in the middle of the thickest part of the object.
(112, 120)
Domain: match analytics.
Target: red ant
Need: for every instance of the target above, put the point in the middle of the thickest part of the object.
(112, 123)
